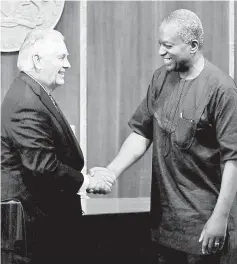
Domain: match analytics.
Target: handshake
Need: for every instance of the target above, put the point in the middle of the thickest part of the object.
(101, 180)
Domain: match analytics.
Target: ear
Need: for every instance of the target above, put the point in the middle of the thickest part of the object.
(37, 61)
(194, 46)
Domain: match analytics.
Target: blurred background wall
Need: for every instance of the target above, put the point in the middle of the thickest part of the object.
(122, 54)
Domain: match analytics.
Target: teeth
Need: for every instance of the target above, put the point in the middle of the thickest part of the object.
(166, 60)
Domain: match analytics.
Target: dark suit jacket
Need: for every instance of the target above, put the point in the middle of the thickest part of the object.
(40, 157)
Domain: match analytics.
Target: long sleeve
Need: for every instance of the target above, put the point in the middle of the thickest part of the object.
(32, 134)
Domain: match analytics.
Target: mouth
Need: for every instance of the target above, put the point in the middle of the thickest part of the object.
(167, 60)
(61, 73)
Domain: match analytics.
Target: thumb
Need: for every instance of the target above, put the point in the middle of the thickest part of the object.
(93, 170)
(201, 236)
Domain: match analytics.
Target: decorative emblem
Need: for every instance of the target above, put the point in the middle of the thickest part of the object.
(18, 18)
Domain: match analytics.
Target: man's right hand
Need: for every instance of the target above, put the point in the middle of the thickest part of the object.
(101, 180)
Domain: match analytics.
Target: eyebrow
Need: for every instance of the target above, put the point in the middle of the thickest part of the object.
(63, 54)
(166, 42)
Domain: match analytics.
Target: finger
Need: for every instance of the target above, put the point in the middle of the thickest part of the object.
(201, 236)
(97, 188)
(98, 181)
(91, 172)
(89, 190)
(108, 184)
(109, 180)
(216, 245)
(96, 192)
(103, 186)
(107, 190)
(104, 190)
(105, 176)
(104, 180)
(205, 245)
(222, 243)
(211, 245)
(99, 191)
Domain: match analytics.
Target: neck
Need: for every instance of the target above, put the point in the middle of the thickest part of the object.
(37, 78)
(195, 68)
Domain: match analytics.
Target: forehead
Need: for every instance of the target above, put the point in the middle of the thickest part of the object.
(54, 46)
(169, 33)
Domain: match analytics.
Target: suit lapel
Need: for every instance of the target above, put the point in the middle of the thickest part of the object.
(70, 132)
(54, 109)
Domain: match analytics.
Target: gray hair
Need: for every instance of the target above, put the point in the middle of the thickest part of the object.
(189, 25)
(34, 39)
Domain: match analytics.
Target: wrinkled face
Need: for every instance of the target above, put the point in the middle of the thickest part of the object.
(53, 63)
(175, 52)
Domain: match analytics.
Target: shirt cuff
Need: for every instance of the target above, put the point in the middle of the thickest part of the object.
(85, 184)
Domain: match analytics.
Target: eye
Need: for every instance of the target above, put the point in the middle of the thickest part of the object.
(168, 46)
(62, 57)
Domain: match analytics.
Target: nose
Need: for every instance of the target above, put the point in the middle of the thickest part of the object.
(162, 50)
(66, 63)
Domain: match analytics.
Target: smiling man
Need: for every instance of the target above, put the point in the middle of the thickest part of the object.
(41, 160)
(180, 49)
(189, 114)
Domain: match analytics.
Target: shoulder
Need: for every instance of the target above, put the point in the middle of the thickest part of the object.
(21, 93)
(219, 80)
(223, 96)
(20, 98)
(159, 73)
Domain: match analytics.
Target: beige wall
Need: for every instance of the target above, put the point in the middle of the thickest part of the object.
(122, 54)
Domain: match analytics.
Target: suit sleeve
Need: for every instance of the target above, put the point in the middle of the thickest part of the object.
(32, 134)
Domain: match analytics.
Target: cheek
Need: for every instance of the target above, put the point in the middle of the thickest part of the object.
(56, 65)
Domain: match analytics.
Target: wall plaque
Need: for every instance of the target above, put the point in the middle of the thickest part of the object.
(20, 17)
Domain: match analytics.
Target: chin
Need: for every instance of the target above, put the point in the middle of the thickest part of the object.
(170, 68)
(60, 82)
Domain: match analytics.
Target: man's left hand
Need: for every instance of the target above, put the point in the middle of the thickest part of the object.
(213, 234)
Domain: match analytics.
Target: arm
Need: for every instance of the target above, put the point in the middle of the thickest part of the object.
(137, 142)
(32, 134)
(215, 229)
(224, 116)
(132, 149)
(228, 190)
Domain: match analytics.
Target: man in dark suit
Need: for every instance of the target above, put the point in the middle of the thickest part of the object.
(41, 160)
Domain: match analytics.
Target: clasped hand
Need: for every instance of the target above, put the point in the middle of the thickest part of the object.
(101, 180)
